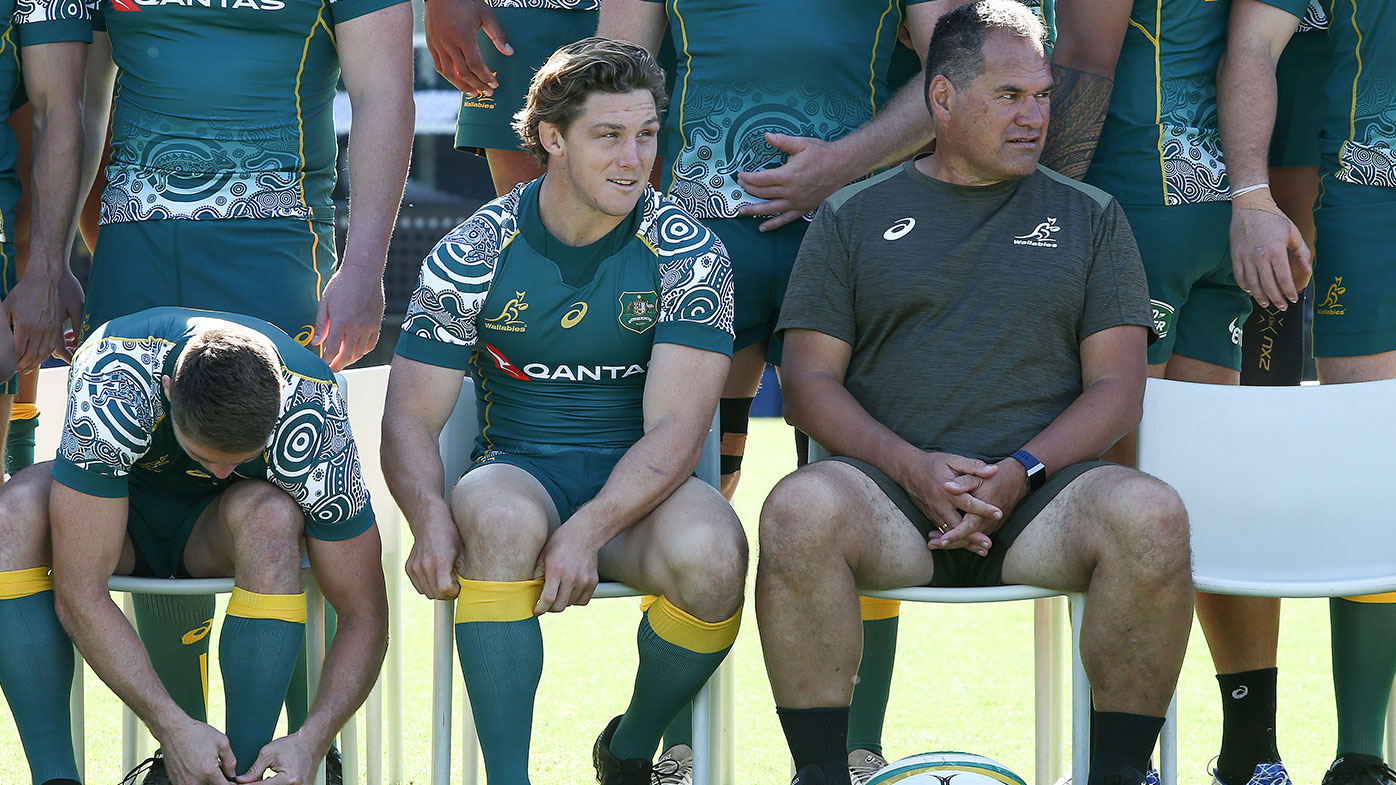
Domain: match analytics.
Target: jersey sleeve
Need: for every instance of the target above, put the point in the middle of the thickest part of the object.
(820, 293)
(313, 458)
(1295, 7)
(696, 287)
(1117, 292)
(440, 328)
(113, 407)
(53, 21)
(344, 10)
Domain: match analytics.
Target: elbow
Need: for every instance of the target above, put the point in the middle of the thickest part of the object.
(66, 606)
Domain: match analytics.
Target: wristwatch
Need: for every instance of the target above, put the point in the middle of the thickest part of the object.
(1037, 473)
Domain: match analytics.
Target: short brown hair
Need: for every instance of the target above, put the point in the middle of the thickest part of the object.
(226, 391)
(576, 71)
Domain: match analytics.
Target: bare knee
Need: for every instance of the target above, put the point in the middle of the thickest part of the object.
(265, 525)
(707, 565)
(501, 532)
(24, 531)
(801, 522)
(1148, 523)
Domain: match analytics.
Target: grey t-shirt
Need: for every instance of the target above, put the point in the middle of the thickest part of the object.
(965, 307)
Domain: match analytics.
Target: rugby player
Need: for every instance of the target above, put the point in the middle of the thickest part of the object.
(595, 318)
(218, 196)
(929, 486)
(47, 48)
(202, 444)
(1355, 301)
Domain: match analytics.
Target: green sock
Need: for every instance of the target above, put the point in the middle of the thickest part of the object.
(681, 729)
(677, 655)
(262, 634)
(502, 662)
(19, 445)
(298, 696)
(869, 708)
(175, 630)
(1364, 663)
(36, 673)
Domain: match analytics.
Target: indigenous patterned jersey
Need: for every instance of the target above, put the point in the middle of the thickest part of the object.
(747, 67)
(28, 23)
(117, 431)
(559, 347)
(1161, 143)
(224, 108)
(1358, 135)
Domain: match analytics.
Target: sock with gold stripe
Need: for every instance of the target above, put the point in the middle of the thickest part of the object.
(36, 672)
(262, 636)
(501, 658)
(874, 682)
(175, 630)
(678, 652)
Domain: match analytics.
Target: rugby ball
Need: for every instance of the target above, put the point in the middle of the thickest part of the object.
(946, 768)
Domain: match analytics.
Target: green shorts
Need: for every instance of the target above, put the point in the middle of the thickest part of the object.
(269, 268)
(1354, 270)
(960, 567)
(572, 476)
(1198, 309)
(159, 525)
(9, 276)
(534, 33)
(1300, 75)
(761, 263)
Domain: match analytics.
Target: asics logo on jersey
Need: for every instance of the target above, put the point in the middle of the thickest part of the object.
(1235, 332)
(256, 5)
(899, 229)
(574, 314)
(508, 319)
(1041, 235)
(502, 363)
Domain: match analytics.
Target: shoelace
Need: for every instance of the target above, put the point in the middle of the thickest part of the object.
(668, 771)
(134, 776)
(1381, 772)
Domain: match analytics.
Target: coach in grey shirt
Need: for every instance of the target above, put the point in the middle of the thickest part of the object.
(966, 334)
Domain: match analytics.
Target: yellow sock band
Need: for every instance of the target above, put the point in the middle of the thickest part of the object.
(497, 600)
(646, 600)
(251, 605)
(1376, 599)
(687, 631)
(877, 608)
(22, 583)
(24, 411)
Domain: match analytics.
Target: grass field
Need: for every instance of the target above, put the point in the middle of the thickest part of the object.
(964, 681)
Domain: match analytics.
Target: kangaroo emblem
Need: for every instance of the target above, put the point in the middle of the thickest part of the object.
(1044, 231)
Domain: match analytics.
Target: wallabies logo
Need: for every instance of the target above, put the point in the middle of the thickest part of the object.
(1330, 305)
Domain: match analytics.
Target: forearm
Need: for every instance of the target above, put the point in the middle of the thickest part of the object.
(413, 470)
(894, 135)
(1099, 417)
(96, 117)
(1246, 99)
(351, 667)
(380, 146)
(1079, 104)
(110, 646)
(822, 407)
(57, 157)
(652, 469)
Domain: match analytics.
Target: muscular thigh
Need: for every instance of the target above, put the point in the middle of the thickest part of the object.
(1055, 549)
(882, 546)
(694, 516)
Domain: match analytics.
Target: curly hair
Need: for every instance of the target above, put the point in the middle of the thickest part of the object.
(573, 73)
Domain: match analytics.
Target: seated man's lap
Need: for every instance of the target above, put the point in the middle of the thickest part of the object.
(159, 526)
(958, 567)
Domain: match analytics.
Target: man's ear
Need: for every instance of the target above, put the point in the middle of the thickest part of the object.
(940, 93)
(165, 382)
(550, 136)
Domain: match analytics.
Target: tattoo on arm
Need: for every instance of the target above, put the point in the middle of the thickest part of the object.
(1079, 102)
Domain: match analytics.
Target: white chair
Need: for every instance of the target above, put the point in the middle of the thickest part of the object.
(1256, 468)
(714, 728)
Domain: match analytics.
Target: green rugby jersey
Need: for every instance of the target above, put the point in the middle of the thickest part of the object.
(1161, 144)
(745, 67)
(1357, 139)
(558, 340)
(28, 23)
(224, 108)
(117, 431)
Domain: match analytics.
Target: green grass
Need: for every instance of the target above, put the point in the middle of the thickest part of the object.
(964, 681)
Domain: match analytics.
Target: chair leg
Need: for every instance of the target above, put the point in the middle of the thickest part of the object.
(1080, 698)
(1391, 724)
(373, 733)
(725, 746)
(1043, 678)
(315, 651)
(470, 741)
(76, 708)
(130, 726)
(1061, 674)
(392, 678)
(702, 735)
(349, 749)
(442, 672)
(1168, 745)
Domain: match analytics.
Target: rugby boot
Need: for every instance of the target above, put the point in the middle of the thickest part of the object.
(675, 766)
(1265, 774)
(1358, 769)
(863, 764)
(150, 771)
(611, 770)
(809, 775)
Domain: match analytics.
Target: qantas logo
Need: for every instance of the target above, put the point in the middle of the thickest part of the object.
(256, 5)
(504, 365)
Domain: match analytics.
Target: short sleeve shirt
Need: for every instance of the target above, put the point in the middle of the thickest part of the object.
(28, 23)
(1358, 134)
(1161, 144)
(745, 68)
(560, 351)
(117, 432)
(965, 308)
(224, 108)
